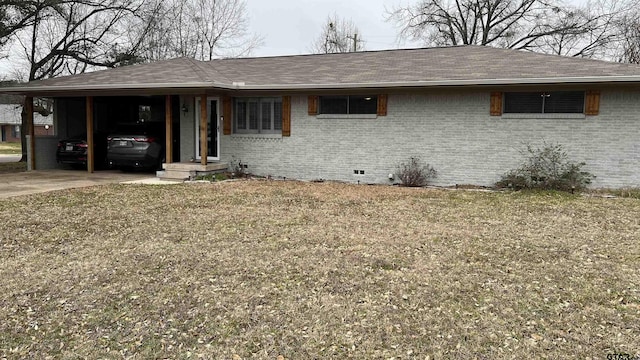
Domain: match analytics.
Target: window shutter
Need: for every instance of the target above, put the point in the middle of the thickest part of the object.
(227, 105)
(382, 105)
(592, 104)
(286, 116)
(496, 103)
(313, 105)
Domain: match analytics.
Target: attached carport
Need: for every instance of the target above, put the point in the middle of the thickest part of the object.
(90, 100)
(101, 115)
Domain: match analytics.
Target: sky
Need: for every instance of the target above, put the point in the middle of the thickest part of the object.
(289, 27)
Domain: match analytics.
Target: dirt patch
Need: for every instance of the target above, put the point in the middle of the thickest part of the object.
(12, 167)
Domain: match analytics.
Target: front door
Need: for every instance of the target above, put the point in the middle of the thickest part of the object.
(213, 145)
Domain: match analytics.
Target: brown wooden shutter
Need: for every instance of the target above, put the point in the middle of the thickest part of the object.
(313, 105)
(496, 103)
(382, 105)
(286, 116)
(227, 114)
(592, 103)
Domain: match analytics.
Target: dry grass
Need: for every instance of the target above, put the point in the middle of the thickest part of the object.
(628, 192)
(12, 167)
(257, 269)
(10, 148)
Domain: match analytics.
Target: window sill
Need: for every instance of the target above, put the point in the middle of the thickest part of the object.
(543, 116)
(259, 136)
(346, 116)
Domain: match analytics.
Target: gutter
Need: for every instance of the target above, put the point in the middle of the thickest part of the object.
(338, 86)
(45, 88)
(442, 83)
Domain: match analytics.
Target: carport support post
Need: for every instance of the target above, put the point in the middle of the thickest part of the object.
(90, 152)
(203, 130)
(169, 120)
(31, 131)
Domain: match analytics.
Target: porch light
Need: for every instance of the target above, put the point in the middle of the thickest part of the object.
(185, 109)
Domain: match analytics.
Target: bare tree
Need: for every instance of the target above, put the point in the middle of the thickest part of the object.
(599, 33)
(222, 29)
(59, 37)
(15, 15)
(152, 32)
(200, 29)
(338, 36)
(544, 25)
(629, 49)
(70, 37)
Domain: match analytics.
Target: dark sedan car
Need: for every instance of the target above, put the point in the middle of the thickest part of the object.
(138, 145)
(74, 151)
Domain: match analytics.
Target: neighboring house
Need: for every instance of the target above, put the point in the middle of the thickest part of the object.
(466, 110)
(11, 120)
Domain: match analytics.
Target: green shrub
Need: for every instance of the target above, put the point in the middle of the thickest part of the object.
(547, 168)
(413, 173)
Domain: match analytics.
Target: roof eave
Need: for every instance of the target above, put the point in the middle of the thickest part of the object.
(442, 83)
(369, 85)
(110, 87)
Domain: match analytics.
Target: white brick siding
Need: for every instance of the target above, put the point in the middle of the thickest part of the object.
(450, 129)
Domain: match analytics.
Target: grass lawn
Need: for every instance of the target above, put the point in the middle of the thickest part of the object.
(10, 148)
(12, 167)
(257, 269)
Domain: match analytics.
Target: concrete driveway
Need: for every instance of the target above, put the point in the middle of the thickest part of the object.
(33, 182)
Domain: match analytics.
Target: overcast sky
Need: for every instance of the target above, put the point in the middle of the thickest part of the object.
(290, 26)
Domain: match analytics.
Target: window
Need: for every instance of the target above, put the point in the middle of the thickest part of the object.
(358, 104)
(15, 131)
(144, 113)
(552, 102)
(257, 116)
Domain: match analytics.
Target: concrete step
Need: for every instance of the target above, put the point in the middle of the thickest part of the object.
(210, 167)
(186, 171)
(174, 175)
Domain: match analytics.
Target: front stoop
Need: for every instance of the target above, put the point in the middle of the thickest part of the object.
(189, 171)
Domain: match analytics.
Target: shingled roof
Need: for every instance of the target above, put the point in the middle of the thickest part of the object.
(444, 66)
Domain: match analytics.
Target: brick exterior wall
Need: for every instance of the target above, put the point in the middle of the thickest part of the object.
(450, 129)
(39, 131)
(7, 134)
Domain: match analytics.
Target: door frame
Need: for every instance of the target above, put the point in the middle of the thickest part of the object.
(197, 126)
